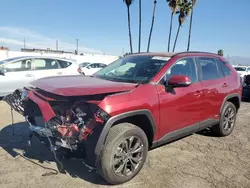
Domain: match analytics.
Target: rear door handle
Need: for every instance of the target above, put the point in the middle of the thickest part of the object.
(28, 75)
(59, 73)
(224, 85)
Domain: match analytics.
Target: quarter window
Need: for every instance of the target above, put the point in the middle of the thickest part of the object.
(64, 64)
(185, 67)
(226, 71)
(209, 68)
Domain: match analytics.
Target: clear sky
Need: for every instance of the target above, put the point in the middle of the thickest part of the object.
(101, 25)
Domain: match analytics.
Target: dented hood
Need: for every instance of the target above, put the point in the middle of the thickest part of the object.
(80, 85)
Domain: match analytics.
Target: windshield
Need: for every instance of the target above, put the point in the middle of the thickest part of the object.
(133, 69)
(240, 68)
(84, 64)
(7, 60)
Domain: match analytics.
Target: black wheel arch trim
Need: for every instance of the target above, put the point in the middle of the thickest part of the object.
(113, 119)
(229, 97)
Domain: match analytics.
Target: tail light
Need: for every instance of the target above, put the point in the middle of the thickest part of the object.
(79, 70)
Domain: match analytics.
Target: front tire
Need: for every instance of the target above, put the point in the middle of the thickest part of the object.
(124, 153)
(227, 120)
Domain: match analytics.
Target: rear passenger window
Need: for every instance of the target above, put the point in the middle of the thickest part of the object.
(226, 71)
(209, 68)
(45, 64)
(95, 65)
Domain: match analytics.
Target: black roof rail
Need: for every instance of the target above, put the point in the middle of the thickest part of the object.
(136, 53)
(195, 52)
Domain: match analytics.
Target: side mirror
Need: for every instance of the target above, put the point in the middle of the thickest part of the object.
(179, 81)
(2, 71)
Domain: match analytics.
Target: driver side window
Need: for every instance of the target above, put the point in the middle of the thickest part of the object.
(18, 66)
(185, 67)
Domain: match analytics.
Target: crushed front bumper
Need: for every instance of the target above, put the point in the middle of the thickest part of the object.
(25, 102)
(46, 136)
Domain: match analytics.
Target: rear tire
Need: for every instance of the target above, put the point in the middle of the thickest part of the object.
(227, 120)
(124, 153)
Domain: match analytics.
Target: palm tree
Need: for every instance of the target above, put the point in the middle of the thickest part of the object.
(152, 25)
(220, 52)
(191, 22)
(173, 4)
(185, 7)
(128, 3)
(139, 45)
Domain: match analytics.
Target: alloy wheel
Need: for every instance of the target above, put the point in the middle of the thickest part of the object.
(229, 119)
(128, 156)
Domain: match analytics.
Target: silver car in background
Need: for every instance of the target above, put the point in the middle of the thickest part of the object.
(20, 71)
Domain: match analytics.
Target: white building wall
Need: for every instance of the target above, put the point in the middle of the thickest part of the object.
(4, 54)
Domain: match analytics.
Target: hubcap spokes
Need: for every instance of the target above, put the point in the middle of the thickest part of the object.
(128, 156)
(229, 119)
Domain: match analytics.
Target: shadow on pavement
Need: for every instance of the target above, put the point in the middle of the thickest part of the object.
(207, 132)
(12, 143)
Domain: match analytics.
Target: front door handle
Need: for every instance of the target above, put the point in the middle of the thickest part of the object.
(59, 73)
(28, 75)
(197, 93)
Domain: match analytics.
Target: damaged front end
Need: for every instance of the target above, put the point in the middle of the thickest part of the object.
(67, 122)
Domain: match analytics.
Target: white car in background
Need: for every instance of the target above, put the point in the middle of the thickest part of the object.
(91, 68)
(20, 71)
(242, 70)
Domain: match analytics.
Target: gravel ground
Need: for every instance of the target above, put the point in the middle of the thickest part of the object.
(197, 161)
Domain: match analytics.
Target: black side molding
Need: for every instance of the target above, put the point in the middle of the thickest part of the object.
(112, 120)
(229, 97)
(175, 135)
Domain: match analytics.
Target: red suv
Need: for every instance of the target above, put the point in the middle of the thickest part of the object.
(138, 102)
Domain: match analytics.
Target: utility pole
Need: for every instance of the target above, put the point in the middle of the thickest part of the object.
(56, 45)
(24, 45)
(77, 46)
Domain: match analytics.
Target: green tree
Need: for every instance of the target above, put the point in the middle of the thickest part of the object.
(152, 25)
(173, 5)
(185, 7)
(128, 3)
(191, 23)
(139, 45)
(220, 52)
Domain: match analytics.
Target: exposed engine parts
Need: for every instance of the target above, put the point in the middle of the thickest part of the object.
(70, 126)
